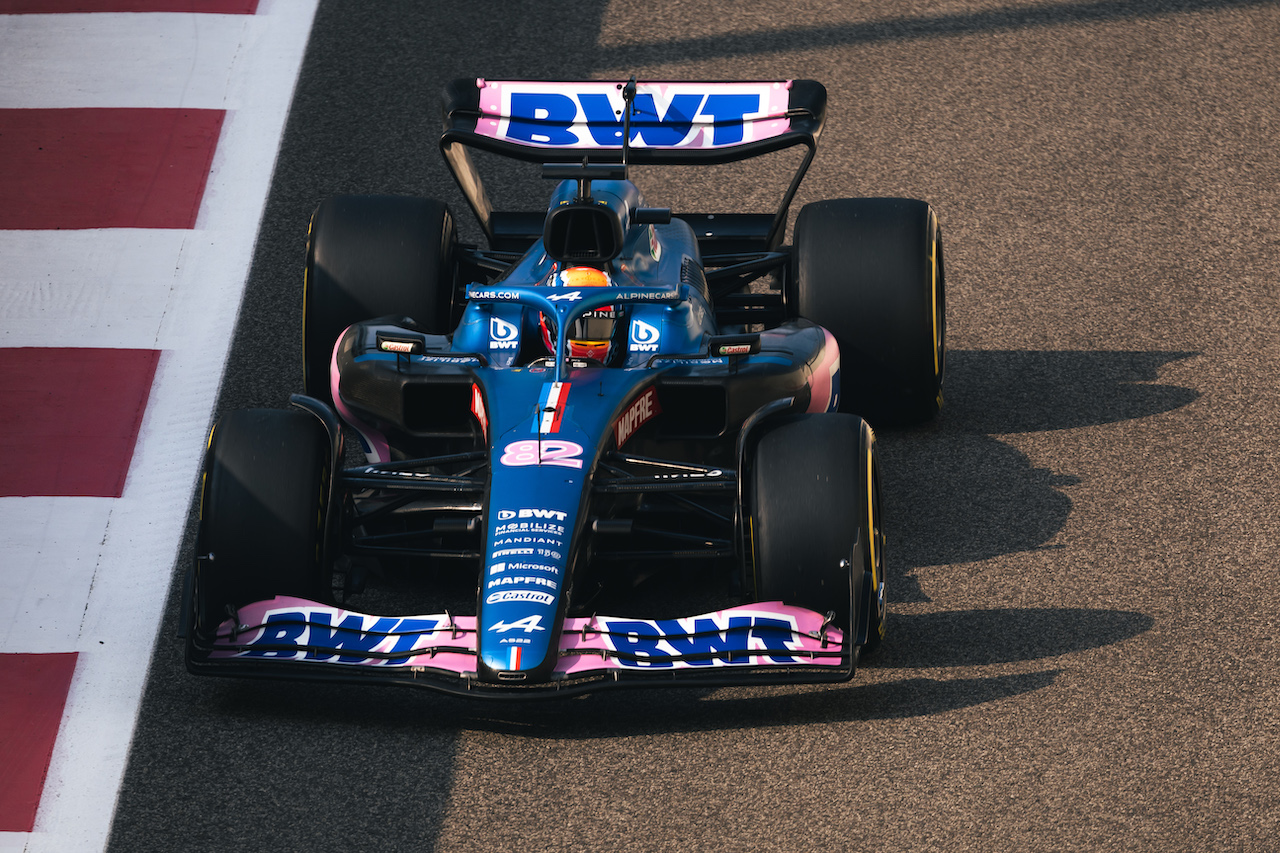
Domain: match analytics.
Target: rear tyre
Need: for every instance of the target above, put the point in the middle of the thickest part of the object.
(870, 271)
(815, 519)
(262, 512)
(371, 256)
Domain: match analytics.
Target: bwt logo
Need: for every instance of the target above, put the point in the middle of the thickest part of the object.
(508, 514)
(503, 335)
(557, 118)
(644, 337)
(313, 634)
(708, 642)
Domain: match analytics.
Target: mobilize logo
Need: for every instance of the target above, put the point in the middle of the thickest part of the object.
(644, 337)
(514, 527)
(503, 335)
(508, 514)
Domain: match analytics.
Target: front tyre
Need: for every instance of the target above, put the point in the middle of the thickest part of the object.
(262, 513)
(870, 270)
(815, 521)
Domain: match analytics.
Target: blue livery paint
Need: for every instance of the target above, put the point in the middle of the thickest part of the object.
(537, 489)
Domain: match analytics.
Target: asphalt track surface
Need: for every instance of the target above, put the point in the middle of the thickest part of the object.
(1083, 650)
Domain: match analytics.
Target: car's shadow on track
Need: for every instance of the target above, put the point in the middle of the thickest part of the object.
(931, 641)
(955, 494)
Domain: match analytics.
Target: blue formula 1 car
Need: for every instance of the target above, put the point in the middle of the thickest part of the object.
(620, 445)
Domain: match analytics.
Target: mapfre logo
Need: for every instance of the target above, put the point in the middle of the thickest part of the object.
(644, 336)
(640, 411)
(503, 335)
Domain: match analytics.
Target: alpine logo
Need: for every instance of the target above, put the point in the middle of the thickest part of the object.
(637, 414)
(503, 335)
(571, 296)
(528, 624)
(644, 337)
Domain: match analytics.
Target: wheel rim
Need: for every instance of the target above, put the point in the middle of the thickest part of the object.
(937, 296)
(875, 536)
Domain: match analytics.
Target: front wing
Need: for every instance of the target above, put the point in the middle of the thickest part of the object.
(765, 643)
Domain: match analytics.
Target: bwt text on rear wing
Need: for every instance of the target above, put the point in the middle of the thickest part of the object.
(678, 124)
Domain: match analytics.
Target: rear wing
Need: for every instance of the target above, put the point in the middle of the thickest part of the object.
(672, 123)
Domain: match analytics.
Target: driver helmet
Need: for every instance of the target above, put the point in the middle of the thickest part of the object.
(591, 333)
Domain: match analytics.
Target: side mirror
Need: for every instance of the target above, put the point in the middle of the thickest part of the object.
(651, 215)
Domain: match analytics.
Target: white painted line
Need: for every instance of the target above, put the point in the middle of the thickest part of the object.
(50, 548)
(128, 60)
(14, 842)
(93, 288)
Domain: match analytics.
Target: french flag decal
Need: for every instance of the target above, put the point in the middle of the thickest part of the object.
(515, 659)
(551, 406)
